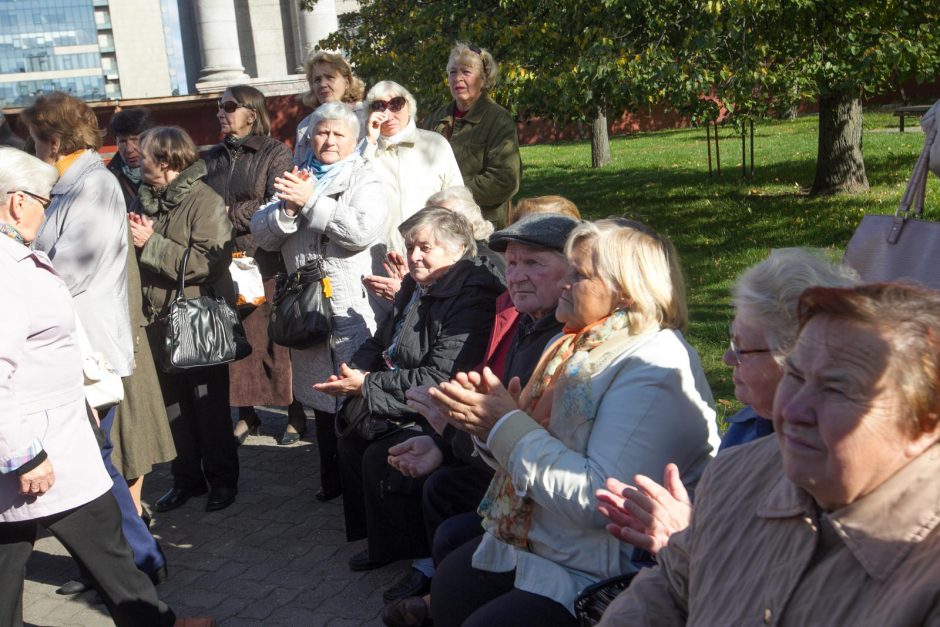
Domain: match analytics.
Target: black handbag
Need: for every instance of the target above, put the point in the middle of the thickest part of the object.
(355, 419)
(301, 315)
(200, 332)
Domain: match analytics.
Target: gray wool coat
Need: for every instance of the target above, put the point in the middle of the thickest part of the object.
(85, 236)
(344, 226)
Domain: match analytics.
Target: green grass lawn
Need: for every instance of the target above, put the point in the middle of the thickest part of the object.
(722, 225)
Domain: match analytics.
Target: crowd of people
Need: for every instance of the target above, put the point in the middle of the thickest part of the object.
(501, 384)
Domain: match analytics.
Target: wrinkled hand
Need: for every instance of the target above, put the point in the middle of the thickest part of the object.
(395, 265)
(382, 286)
(420, 401)
(647, 514)
(37, 481)
(294, 188)
(417, 457)
(348, 383)
(374, 125)
(141, 228)
(474, 402)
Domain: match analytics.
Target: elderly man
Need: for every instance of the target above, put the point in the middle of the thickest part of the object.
(525, 323)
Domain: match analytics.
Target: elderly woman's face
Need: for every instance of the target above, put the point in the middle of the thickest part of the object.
(427, 258)
(394, 121)
(533, 276)
(585, 297)
(26, 212)
(327, 83)
(332, 141)
(838, 413)
(238, 121)
(466, 83)
(756, 372)
(152, 172)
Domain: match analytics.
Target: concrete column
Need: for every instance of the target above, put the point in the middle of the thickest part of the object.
(312, 26)
(218, 42)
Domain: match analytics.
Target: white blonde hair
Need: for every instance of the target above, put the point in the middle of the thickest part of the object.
(641, 266)
(768, 293)
(391, 88)
(20, 171)
(335, 111)
(463, 53)
(460, 199)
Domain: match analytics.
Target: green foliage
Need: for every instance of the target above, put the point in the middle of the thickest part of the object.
(720, 226)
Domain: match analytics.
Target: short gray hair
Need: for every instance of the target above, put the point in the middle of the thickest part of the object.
(460, 199)
(450, 229)
(391, 88)
(768, 293)
(20, 171)
(335, 111)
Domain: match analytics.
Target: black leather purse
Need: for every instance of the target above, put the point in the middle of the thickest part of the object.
(200, 332)
(301, 315)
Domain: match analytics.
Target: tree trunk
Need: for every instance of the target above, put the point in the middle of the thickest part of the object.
(839, 163)
(600, 142)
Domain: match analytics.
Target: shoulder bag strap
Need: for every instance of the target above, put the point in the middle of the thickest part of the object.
(182, 272)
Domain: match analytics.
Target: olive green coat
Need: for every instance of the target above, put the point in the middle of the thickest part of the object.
(487, 150)
(188, 213)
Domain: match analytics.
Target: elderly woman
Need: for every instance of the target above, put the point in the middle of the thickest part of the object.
(176, 211)
(242, 169)
(51, 473)
(440, 324)
(86, 238)
(841, 506)
(411, 163)
(331, 210)
(331, 79)
(482, 133)
(765, 327)
(459, 200)
(620, 391)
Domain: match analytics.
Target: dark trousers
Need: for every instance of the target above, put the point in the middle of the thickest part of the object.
(92, 534)
(464, 595)
(380, 503)
(330, 479)
(201, 422)
(450, 500)
(147, 553)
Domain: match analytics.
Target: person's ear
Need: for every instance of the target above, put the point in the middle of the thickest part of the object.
(14, 210)
(54, 145)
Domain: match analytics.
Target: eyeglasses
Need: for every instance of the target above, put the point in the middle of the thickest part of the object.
(738, 352)
(394, 105)
(230, 106)
(42, 200)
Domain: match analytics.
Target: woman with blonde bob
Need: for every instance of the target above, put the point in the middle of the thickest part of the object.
(331, 79)
(619, 391)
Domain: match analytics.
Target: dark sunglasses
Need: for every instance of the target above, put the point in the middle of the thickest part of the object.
(231, 106)
(42, 200)
(394, 105)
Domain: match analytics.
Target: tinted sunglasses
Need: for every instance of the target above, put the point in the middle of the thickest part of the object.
(231, 106)
(395, 105)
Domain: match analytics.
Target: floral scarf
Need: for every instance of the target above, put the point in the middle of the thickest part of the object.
(505, 514)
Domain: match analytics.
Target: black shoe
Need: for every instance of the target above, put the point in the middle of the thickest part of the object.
(250, 430)
(220, 498)
(158, 576)
(414, 584)
(290, 437)
(176, 498)
(73, 587)
(323, 495)
(361, 561)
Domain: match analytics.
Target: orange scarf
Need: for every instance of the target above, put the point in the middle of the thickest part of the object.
(64, 163)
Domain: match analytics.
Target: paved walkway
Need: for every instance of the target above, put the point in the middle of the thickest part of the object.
(275, 557)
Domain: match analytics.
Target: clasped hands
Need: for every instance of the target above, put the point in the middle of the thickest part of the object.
(141, 228)
(294, 188)
(647, 514)
(471, 401)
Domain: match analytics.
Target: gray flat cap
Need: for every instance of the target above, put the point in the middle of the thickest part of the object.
(548, 230)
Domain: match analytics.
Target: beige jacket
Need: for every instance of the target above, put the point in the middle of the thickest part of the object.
(759, 552)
